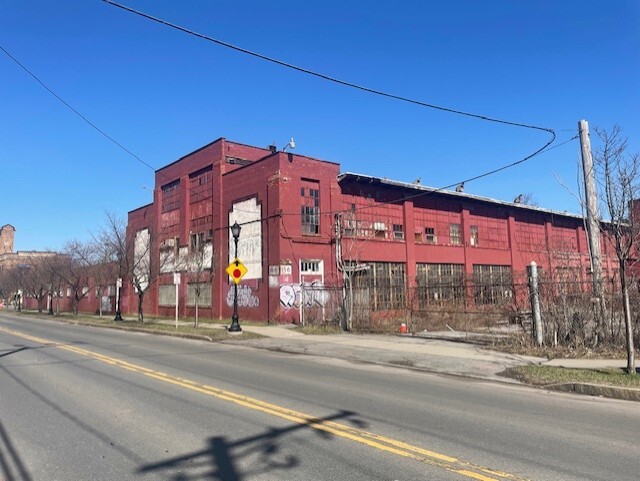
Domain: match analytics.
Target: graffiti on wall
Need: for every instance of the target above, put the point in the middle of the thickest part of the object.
(308, 293)
(245, 297)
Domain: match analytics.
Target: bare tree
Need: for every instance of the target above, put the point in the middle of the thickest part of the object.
(53, 272)
(108, 254)
(34, 281)
(349, 233)
(529, 199)
(200, 264)
(132, 253)
(619, 178)
(7, 286)
(75, 270)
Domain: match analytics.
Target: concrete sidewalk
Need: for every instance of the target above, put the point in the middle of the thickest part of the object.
(439, 356)
(431, 355)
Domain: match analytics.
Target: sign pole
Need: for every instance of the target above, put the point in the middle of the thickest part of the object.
(176, 281)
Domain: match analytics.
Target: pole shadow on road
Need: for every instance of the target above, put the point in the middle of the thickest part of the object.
(217, 460)
(12, 467)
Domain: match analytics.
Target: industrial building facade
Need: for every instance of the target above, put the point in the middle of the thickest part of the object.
(307, 226)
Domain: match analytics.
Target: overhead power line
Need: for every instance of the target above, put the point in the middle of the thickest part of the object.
(136, 157)
(546, 147)
(325, 76)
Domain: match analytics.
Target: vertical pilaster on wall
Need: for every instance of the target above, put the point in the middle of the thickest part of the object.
(220, 233)
(185, 216)
(548, 228)
(513, 244)
(185, 210)
(156, 228)
(271, 245)
(410, 244)
(465, 233)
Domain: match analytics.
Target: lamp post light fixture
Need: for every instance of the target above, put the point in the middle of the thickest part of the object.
(235, 325)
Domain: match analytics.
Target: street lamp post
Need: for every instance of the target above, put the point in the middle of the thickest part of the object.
(235, 325)
(118, 286)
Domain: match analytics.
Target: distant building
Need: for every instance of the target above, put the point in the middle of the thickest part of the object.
(9, 258)
(7, 234)
(305, 224)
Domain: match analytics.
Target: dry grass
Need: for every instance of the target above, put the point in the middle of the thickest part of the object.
(547, 375)
(206, 330)
(320, 330)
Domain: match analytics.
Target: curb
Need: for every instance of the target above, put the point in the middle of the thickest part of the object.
(626, 394)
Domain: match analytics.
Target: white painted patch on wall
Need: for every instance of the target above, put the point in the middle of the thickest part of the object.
(248, 214)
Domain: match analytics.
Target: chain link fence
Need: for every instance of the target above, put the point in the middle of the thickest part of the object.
(477, 303)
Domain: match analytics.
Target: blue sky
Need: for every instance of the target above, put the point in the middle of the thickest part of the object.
(162, 94)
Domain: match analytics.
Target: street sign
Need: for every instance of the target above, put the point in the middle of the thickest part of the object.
(176, 278)
(236, 270)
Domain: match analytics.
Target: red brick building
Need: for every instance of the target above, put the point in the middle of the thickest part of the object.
(304, 224)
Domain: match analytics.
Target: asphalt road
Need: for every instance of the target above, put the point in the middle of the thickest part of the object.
(81, 403)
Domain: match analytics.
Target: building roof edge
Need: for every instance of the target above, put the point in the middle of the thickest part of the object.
(463, 195)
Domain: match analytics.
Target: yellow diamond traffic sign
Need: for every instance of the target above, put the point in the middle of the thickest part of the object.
(236, 270)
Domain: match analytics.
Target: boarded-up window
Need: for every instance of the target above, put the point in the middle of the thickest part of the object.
(200, 184)
(170, 196)
(204, 299)
(167, 295)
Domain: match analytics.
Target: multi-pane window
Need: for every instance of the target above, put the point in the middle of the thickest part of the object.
(398, 232)
(380, 230)
(440, 284)
(310, 267)
(198, 240)
(170, 197)
(385, 283)
(430, 235)
(473, 238)
(454, 234)
(310, 208)
(492, 284)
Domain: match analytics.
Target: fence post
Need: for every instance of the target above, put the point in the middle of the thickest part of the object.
(302, 302)
(535, 303)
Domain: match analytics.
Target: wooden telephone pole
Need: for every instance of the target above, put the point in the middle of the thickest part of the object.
(593, 217)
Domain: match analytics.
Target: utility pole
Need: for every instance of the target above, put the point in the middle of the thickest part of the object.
(535, 303)
(593, 216)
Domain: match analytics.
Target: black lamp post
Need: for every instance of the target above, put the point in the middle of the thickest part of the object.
(235, 325)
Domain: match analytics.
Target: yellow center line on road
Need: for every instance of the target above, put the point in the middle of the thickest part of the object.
(372, 440)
